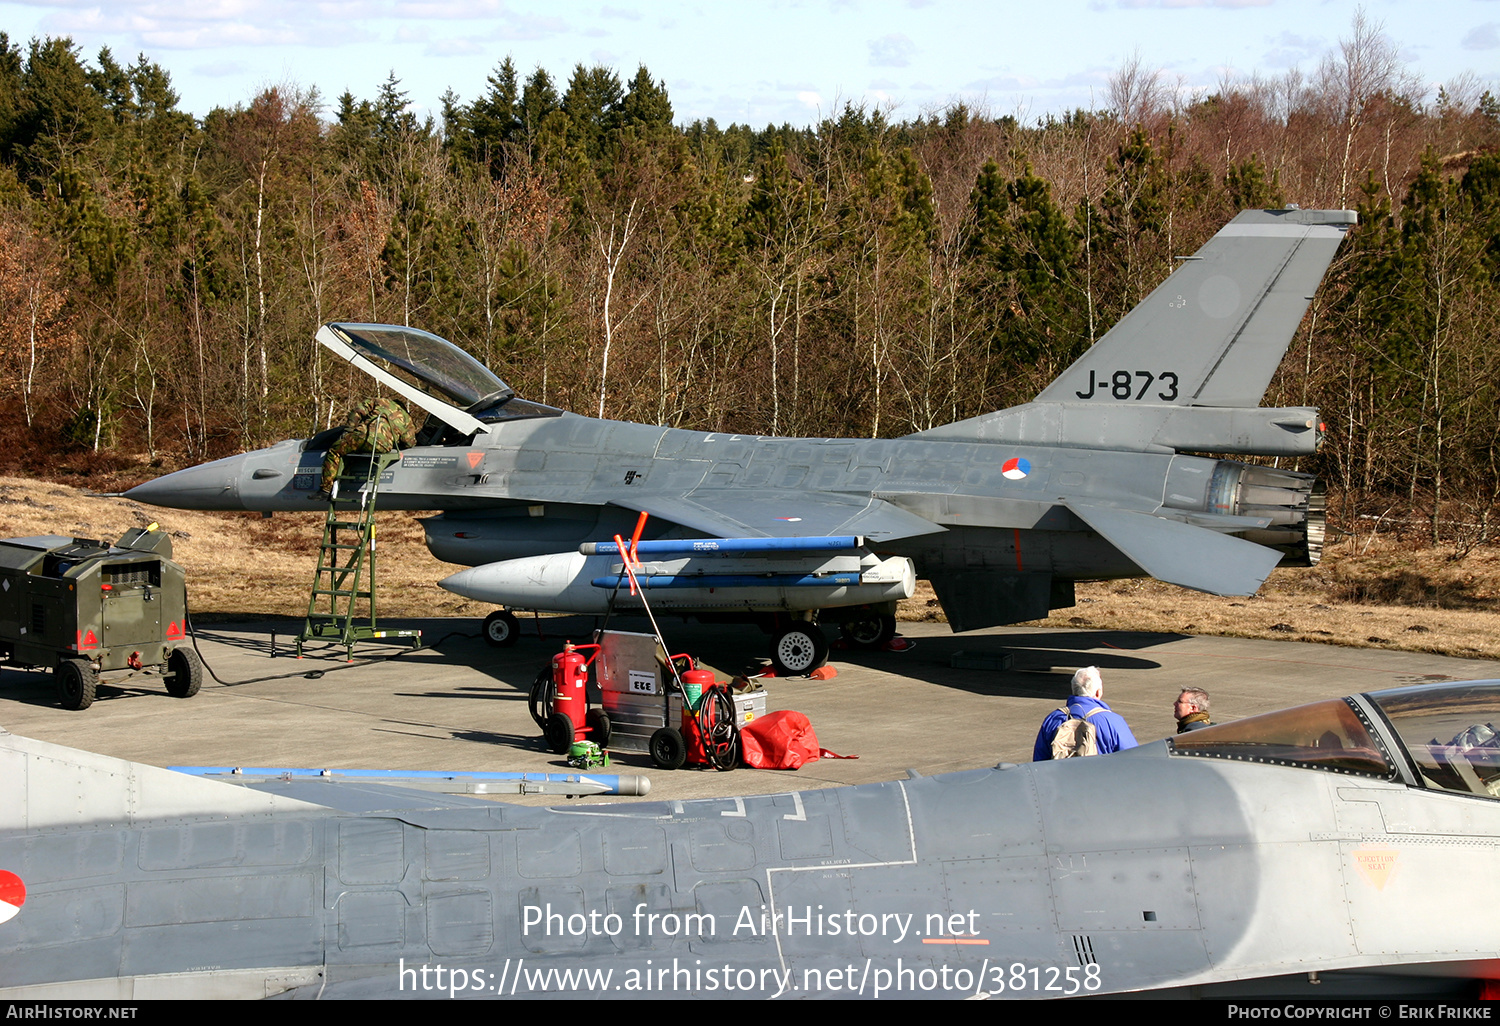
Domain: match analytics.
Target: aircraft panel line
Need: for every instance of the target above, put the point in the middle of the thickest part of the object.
(911, 836)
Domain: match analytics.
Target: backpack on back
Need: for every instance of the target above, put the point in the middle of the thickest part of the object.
(1075, 736)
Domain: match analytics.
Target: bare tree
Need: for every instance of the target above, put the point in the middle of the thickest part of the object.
(1136, 94)
(1367, 67)
(34, 294)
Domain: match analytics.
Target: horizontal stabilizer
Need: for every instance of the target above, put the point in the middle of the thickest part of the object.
(1182, 554)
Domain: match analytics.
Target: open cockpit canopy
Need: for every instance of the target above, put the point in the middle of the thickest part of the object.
(449, 383)
(1443, 736)
(436, 362)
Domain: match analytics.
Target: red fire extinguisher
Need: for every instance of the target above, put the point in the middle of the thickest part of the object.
(570, 674)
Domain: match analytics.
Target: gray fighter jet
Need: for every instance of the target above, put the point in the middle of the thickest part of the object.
(1002, 512)
(1337, 849)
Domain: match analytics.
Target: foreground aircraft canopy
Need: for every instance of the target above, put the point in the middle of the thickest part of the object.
(1002, 512)
(1352, 840)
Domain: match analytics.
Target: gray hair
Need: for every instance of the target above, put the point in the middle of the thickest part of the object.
(1198, 697)
(1088, 682)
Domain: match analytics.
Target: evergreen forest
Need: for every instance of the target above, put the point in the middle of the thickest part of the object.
(163, 275)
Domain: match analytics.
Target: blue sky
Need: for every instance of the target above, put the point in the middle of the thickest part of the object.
(784, 60)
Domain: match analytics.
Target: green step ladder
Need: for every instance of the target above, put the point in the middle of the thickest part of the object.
(346, 563)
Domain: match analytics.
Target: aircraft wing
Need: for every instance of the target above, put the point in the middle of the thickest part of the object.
(733, 513)
(1179, 553)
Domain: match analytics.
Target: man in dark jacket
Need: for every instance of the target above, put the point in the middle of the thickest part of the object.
(1191, 710)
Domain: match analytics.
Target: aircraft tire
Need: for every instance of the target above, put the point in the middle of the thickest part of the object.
(668, 749)
(184, 673)
(599, 726)
(540, 700)
(872, 633)
(559, 732)
(76, 683)
(501, 629)
(799, 650)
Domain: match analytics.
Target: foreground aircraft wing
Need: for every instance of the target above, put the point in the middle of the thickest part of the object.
(1179, 553)
(783, 514)
(1214, 332)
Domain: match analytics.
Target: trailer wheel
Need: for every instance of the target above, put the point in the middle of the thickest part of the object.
(668, 750)
(76, 683)
(799, 649)
(184, 673)
(501, 629)
(871, 633)
(599, 726)
(559, 732)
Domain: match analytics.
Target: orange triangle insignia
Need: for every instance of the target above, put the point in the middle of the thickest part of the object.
(1376, 866)
(474, 458)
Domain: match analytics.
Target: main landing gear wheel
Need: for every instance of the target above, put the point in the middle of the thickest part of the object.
(184, 673)
(799, 650)
(76, 682)
(668, 749)
(559, 732)
(501, 629)
(872, 633)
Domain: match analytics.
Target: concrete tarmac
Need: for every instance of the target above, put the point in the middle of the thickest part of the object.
(461, 704)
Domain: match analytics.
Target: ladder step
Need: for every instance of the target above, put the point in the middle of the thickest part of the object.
(343, 561)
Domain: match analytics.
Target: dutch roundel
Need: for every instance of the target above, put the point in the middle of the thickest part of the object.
(1016, 468)
(12, 894)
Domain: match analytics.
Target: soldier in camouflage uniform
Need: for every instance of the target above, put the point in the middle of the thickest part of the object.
(376, 425)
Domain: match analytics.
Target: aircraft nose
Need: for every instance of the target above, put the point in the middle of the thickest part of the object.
(213, 485)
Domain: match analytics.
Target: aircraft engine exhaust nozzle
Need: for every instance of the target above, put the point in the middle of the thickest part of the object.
(1296, 505)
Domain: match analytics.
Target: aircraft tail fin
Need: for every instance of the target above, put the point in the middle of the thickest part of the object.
(1187, 368)
(1215, 331)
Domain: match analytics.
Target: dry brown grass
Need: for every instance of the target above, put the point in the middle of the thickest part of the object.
(240, 565)
(1384, 593)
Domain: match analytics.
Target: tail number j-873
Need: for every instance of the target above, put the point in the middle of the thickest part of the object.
(1133, 385)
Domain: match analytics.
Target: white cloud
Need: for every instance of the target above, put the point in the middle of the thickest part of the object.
(454, 48)
(1482, 37)
(892, 51)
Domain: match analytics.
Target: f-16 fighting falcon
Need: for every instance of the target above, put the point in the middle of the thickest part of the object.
(1097, 478)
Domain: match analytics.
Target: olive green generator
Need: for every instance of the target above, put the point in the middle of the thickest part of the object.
(85, 608)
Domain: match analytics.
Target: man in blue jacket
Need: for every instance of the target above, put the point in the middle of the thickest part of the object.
(1111, 732)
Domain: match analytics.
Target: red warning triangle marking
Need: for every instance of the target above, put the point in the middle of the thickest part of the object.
(12, 894)
(474, 458)
(174, 629)
(90, 640)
